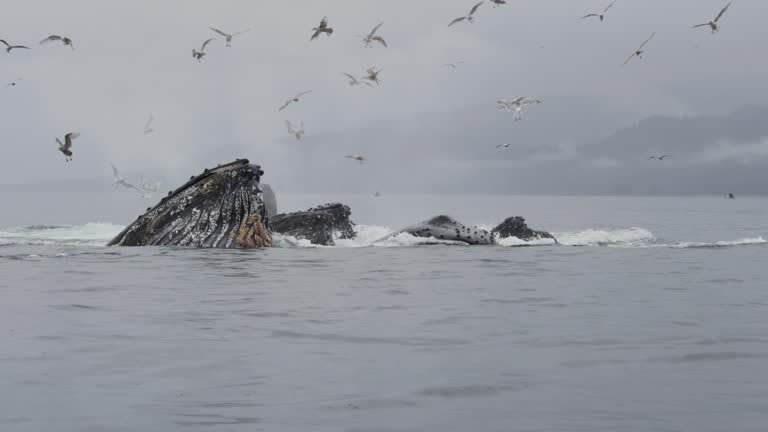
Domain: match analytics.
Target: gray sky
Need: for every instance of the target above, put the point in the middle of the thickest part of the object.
(134, 58)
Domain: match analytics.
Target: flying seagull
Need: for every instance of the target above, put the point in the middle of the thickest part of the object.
(373, 75)
(355, 82)
(119, 181)
(148, 127)
(13, 83)
(9, 47)
(64, 40)
(713, 24)
(293, 99)
(469, 17)
(498, 2)
(516, 105)
(198, 55)
(322, 28)
(661, 158)
(504, 145)
(371, 37)
(67, 145)
(639, 52)
(228, 36)
(454, 64)
(293, 131)
(360, 159)
(599, 15)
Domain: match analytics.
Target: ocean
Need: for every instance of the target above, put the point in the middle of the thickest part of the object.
(650, 315)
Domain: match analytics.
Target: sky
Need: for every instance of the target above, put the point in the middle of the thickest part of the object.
(431, 127)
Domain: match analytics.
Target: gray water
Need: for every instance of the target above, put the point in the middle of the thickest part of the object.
(654, 317)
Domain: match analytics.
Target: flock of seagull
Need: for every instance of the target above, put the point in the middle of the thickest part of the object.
(370, 78)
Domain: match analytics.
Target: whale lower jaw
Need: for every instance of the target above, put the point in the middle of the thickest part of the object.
(220, 208)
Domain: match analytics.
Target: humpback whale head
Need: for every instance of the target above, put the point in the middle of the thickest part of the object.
(221, 208)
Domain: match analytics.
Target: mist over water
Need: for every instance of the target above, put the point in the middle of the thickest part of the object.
(650, 315)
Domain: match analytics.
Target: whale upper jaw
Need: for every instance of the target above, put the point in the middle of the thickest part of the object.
(222, 207)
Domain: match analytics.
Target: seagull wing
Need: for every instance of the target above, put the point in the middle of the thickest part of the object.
(285, 105)
(475, 7)
(350, 76)
(219, 31)
(324, 23)
(19, 46)
(722, 12)
(303, 93)
(68, 139)
(457, 20)
(380, 40)
(700, 25)
(590, 15)
(51, 38)
(629, 58)
(202, 49)
(242, 31)
(609, 6)
(115, 173)
(290, 128)
(375, 29)
(647, 40)
(5, 43)
(149, 122)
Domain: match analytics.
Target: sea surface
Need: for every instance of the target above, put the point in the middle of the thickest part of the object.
(651, 315)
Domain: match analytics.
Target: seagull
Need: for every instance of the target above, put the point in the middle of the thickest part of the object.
(453, 65)
(13, 83)
(661, 158)
(293, 131)
(322, 28)
(639, 52)
(371, 37)
(599, 15)
(355, 82)
(498, 2)
(713, 24)
(373, 75)
(65, 40)
(67, 145)
(119, 181)
(148, 127)
(360, 159)
(294, 99)
(469, 17)
(228, 36)
(9, 47)
(200, 54)
(516, 105)
(504, 145)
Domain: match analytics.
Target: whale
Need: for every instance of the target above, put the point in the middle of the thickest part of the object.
(223, 207)
(228, 207)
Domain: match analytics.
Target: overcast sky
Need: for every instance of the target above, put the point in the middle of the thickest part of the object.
(134, 58)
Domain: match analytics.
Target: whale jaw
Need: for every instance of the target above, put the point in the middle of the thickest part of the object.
(221, 208)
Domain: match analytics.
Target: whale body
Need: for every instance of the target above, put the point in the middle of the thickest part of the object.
(221, 208)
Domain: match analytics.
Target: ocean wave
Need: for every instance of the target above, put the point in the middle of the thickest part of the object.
(90, 234)
(606, 237)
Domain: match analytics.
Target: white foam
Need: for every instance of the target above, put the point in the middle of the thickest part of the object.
(606, 237)
(90, 234)
(720, 244)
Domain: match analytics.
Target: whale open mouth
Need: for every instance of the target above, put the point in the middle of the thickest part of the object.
(221, 208)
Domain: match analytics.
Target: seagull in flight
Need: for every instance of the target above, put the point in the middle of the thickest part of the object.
(298, 133)
(65, 40)
(639, 52)
(9, 47)
(293, 99)
(373, 75)
(504, 145)
(599, 15)
(371, 37)
(148, 127)
(497, 3)
(516, 105)
(661, 158)
(119, 181)
(322, 28)
(13, 83)
(454, 64)
(66, 147)
(713, 24)
(198, 55)
(356, 82)
(469, 17)
(228, 36)
(360, 159)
